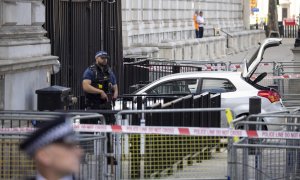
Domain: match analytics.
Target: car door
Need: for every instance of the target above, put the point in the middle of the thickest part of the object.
(227, 90)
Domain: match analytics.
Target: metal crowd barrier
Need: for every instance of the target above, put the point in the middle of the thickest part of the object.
(164, 152)
(151, 156)
(14, 164)
(282, 76)
(142, 70)
(275, 157)
(288, 79)
(256, 155)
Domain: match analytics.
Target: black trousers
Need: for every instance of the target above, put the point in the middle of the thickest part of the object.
(109, 120)
(201, 30)
(197, 33)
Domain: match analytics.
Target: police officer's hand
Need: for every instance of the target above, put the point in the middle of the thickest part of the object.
(115, 96)
(104, 96)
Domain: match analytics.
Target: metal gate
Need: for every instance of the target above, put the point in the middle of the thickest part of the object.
(77, 30)
(291, 31)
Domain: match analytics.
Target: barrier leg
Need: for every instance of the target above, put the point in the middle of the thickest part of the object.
(118, 151)
(245, 163)
(142, 152)
(232, 161)
(258, 164)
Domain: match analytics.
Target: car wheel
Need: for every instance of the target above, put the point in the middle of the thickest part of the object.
(241, 127)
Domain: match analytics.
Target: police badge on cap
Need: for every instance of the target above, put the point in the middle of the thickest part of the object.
(58, 130)
(102, 54)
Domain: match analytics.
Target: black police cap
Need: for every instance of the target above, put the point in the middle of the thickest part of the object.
(59, 129)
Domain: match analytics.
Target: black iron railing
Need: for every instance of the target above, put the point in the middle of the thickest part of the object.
(140, 71)
(77, 30)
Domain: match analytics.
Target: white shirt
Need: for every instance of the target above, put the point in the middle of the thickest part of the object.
(200, 21)
(40, 177)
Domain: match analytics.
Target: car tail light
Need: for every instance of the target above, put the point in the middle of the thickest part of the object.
(272, 95)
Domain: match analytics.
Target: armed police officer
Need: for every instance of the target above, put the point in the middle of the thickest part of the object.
(100, 86)
(99, 83)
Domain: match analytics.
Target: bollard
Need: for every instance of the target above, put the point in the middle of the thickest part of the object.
(254, 108)
(297, 40)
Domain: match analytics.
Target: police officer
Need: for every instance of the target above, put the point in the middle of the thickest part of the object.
(99, 83)
(54, 149)
(100, 86)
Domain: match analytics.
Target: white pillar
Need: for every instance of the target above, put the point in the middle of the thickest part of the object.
(187, 50)
(196, 50)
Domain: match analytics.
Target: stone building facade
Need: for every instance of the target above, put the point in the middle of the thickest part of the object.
(164, 28)
(158, 28)
(25, 60)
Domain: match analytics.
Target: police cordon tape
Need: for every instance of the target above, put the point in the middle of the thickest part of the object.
(238, 65)
(285, 76)
(187, 131)
(213, 68)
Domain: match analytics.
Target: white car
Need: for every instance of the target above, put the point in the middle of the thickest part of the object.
(235, 87)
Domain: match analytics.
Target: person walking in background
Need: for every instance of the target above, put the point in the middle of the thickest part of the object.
(196, 25)
(54, 149)
(201, 22)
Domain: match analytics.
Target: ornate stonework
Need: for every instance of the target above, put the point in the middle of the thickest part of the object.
(25, 53)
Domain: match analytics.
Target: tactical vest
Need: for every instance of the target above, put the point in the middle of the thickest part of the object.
(100, 80)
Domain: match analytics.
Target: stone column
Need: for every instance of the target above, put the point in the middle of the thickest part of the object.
(147, 19)
(187, 50)
(126, 23)
(189, 23)
(25, 60)
(158, 20)
(246, 13)
(137, 20)
(166, 14)
(196, 51)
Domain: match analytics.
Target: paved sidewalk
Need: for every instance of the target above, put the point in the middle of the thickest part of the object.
(212, 169)
(280, 53)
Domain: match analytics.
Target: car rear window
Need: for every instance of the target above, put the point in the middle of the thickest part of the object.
(217, 86)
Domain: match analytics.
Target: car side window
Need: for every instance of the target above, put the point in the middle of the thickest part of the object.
(186, 86)
(217, 86)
